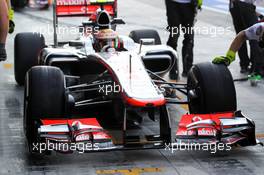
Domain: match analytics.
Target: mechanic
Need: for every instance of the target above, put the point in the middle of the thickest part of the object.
(244, 15)
(6, 25)
(253, 33)
(181, 16)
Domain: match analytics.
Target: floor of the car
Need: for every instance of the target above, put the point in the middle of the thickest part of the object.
(134, 129)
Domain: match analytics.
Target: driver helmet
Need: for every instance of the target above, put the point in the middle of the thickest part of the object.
(104, 38)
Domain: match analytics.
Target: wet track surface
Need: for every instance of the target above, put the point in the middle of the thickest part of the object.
(14, 158)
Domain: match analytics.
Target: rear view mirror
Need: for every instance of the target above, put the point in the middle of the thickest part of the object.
(146, 41)
(117, 21)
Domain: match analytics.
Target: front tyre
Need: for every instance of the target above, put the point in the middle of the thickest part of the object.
(211, 89)
(44, 98)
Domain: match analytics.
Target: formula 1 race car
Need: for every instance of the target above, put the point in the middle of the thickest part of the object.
(88, 95)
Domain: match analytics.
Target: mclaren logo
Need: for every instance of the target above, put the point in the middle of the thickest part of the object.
(196, 119)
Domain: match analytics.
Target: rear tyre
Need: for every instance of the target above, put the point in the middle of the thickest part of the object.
(44, 6)
(44, 98)
(18, 4)
(211, 89)
(27, 49)
(137, 35)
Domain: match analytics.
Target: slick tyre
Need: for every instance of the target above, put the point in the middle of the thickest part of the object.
(18, 4)
(45, 7)
(27, 49)
(211, 89)
(44, 98)
(137, 35)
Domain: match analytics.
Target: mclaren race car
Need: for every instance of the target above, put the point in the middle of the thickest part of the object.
(106, 92)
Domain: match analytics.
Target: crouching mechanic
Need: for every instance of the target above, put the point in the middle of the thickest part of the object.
(255, 32)
(6, 25)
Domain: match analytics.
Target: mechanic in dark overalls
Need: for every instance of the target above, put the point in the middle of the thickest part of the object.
(244, 15)
(180, 16)
(6, 25)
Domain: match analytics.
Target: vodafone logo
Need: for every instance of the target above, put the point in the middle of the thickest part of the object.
(73, 2)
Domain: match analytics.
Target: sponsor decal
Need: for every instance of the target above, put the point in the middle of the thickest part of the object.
(82, 137)
(201, 132)
(72, 2)
(80, 2)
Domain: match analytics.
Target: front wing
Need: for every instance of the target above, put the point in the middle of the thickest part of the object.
(226, 128)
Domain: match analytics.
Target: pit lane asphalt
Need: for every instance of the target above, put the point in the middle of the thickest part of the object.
(138, 14)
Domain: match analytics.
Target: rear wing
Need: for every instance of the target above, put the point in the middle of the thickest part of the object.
(80, 8)
(70, 8)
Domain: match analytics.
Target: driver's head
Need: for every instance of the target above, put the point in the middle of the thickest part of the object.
(105, 38)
